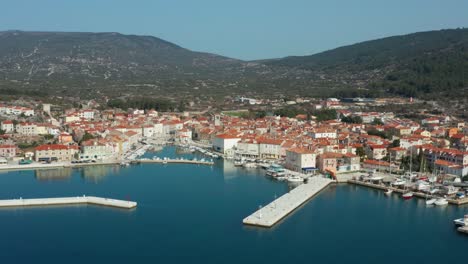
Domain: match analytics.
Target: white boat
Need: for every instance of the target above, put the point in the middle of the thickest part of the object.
(295, 179)
(389, 192)
(238, 163)
(249, 165)
(441, 201)
(376, 178)
(423, 186)
(449, 190)
(407, 195)
(281, 178)
(461, 221)
(431, 201)
(398, 182)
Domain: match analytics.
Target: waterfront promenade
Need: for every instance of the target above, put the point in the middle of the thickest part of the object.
(271, 214)
(68, 201)
(54, 165)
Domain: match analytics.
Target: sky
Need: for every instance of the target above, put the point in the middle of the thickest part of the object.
(242, 29)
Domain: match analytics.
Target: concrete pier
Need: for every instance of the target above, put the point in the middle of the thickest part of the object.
(176, 161)
(275, 211)
(67, 201)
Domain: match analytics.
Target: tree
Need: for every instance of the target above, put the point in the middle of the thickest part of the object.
(395, 143)
(361, 153)
(48, 137)
(351, 119)
(326, 114)
(377, 121)
(376, 132)
(86, 137)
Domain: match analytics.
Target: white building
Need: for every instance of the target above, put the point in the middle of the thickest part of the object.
(8, 126)
(148, 131)
(86, 114)
(28, 129)
(248, 149)
(323, 133)
(270, 148)
(224, 142)
(301, 160)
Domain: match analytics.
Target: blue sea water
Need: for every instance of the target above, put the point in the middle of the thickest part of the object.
(193, 214)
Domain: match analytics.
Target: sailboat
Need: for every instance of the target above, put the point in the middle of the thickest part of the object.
(409, 195)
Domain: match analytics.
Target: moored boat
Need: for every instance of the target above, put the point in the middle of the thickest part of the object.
(431, 201)
(389, 192)
(295, 179)
(407, 195)
(461, 221)
(398, 182)
(441, 202)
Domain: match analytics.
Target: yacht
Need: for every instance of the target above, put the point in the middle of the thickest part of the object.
(376, 178)
(249, 165)
(398, 182)
(238, 163)
(461, 221)
(294, 178)
(441, 201)
(281, 178)
(407, 195)
(449, 190)
(423, 186)
(460, 195)
(431, 201)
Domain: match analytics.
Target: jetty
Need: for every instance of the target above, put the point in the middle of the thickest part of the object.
(172, 161)
(68, 201)
(271, 214)
(401, 191)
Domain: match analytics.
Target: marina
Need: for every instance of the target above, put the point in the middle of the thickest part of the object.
(452, 201)
(272, 213)
(68, 201)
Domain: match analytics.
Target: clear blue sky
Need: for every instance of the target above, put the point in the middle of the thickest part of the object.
(244, 29)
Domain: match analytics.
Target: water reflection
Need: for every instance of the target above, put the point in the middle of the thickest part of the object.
(56, 174)
(98, 173)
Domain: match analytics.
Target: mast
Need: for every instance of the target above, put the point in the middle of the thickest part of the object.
(411, 161)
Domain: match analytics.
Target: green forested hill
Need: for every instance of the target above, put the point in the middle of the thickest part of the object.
(431, 62)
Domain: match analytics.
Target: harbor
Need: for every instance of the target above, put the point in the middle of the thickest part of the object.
(216, 200)
(272, 213)
(68, 201)
(395, 189)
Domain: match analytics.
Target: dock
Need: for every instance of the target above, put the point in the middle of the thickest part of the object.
(401, 191)
(68, 201)
(175, 161)
(271, 214)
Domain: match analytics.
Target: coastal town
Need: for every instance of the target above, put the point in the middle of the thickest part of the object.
(425, 158)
